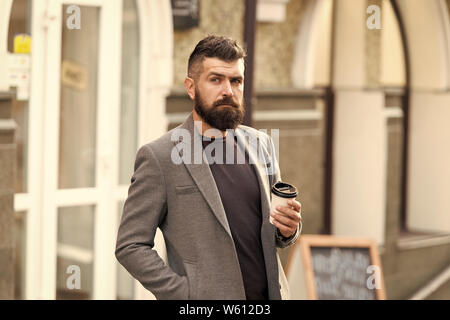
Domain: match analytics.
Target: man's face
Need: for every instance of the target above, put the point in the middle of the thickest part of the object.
(219, 89)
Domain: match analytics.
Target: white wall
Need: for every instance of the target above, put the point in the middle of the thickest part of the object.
(359, 165)
(429, 163)
(359, 144)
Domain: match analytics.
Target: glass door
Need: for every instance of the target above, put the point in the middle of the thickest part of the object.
(81, 149)
(82, 137)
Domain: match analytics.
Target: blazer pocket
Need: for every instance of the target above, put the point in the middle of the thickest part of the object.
(186, 189)
(191, 273)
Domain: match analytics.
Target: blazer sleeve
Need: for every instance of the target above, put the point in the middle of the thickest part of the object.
(143, 212)
(275, 176)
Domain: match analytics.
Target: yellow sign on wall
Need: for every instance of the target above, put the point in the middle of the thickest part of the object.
(22, 43)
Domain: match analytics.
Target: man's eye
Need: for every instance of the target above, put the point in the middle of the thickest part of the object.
(238, 81)
(215, 80)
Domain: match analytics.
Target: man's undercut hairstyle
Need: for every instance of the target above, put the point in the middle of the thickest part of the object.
(213, 46)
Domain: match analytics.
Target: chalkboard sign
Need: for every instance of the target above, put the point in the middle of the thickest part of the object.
(335, 268)
(185, 13)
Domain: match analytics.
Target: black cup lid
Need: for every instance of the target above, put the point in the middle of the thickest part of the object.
(284, 190)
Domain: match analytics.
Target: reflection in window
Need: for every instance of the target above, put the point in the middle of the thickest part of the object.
(75, 252)
(78, 113)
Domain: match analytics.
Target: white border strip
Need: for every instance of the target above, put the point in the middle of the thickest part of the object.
(70, 197)
(433, 285)
(76, 197)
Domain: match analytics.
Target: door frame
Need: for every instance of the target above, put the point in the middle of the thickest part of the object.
(41, 199)
(106, 163)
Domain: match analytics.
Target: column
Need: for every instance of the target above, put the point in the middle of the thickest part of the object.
(359, 133)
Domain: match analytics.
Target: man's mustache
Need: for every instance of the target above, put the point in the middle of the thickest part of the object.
(226, 101)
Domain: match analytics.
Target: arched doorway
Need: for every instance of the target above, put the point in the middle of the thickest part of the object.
(428, 136)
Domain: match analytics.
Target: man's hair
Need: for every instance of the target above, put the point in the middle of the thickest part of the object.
(213, 46)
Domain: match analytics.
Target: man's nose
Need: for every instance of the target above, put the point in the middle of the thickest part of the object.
(226, 90)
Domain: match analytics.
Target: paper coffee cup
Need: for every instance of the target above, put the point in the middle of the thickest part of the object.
(281, 193)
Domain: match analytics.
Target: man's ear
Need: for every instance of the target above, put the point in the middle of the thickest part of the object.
(189, 84)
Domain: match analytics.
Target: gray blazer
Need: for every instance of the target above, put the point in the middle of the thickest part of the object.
(184, 202)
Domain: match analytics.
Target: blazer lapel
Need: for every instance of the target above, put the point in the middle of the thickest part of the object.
(200, 171)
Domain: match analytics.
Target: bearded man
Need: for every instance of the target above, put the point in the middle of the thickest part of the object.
(213, 213)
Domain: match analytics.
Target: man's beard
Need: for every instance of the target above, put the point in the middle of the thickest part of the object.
(221, 118)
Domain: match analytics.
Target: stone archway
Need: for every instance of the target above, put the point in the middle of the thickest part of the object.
(426, 30)
(312, 53)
